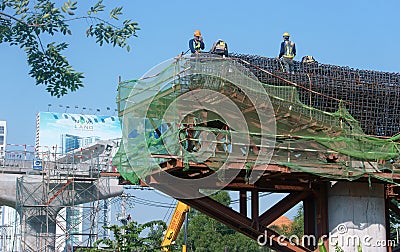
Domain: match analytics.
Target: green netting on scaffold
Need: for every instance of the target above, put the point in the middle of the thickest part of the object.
(213, 111)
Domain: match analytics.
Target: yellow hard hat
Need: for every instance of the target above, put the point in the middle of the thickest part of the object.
(286, 34)
(197, 33)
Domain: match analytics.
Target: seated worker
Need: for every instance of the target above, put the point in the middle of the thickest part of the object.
(220, 47)
(308, 59)
(196, 44)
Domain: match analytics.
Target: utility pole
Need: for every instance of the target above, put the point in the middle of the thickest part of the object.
(123, 216)
(123, 210)
(184, 247)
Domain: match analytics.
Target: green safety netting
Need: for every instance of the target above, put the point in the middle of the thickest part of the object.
(214, 111)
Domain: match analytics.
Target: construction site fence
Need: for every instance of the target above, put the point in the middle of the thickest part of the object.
(22, 158)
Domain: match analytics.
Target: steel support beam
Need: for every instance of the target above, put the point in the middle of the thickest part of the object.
(321, 196)
(309, 210)
(242, 224)
(255, 207)
(281, 207)
(229, 217)
(243, 202)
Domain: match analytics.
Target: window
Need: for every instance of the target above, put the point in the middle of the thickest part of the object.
(1, 139)
(1, 129)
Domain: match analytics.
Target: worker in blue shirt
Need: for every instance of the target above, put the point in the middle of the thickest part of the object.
(287, 53)
(196, 44)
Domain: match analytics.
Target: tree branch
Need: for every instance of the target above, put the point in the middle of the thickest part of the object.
(14, 18)
(95, 18)
(66, 20)
(19, 20)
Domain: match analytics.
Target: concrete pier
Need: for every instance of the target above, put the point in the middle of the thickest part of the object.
(357, 216)
(38, 202)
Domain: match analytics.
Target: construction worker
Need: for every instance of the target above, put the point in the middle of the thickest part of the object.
(220, 47)
(287, 53)
(196, 44)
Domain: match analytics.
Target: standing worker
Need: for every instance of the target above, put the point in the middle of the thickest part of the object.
(288, 51)
(196, 44)
(220, 47)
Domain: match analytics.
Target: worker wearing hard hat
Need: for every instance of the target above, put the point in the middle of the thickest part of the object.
(287, 53)
(220, 47)
(196, 44)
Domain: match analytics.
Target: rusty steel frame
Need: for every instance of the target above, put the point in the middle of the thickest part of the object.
(311, 189)
(315, 209)
(307, 188)
(250, 227)
(301, 187)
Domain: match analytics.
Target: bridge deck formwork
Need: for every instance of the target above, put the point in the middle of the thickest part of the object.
(201, 124)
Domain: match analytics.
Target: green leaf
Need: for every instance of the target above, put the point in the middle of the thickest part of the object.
(89, 31)
(47, 65)
(359, 247)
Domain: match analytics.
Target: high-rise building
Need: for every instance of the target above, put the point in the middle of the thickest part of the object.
(60, 133)
(8, 229)
(85, 141)
(3, 136)
(71, 142)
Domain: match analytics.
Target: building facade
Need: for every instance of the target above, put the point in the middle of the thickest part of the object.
(3, 138)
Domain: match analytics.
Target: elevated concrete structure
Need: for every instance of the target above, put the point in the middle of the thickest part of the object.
(357, 216)
(324, 117)
(8, 189)
(38, 201)
(62, 181)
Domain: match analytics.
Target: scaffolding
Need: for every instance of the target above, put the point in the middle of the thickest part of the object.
(307, 121)
(8, 228)
(324, 116)
(59, 203)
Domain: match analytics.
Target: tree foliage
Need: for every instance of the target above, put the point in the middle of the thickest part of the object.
(132, 238)
(296, 228)
(28, 24)
(394, 222)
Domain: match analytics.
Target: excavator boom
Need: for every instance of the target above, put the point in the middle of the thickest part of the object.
(175, 225)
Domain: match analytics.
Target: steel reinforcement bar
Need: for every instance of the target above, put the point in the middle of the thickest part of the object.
(372, 97)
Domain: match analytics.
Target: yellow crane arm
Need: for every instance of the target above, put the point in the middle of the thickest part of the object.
(175, 225)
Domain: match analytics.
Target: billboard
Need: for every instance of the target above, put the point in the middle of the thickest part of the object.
(65, 132)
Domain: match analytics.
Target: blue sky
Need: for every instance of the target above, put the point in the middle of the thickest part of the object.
(360, 34)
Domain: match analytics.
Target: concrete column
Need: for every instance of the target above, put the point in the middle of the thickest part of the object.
(39, 231)
(357, 216)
